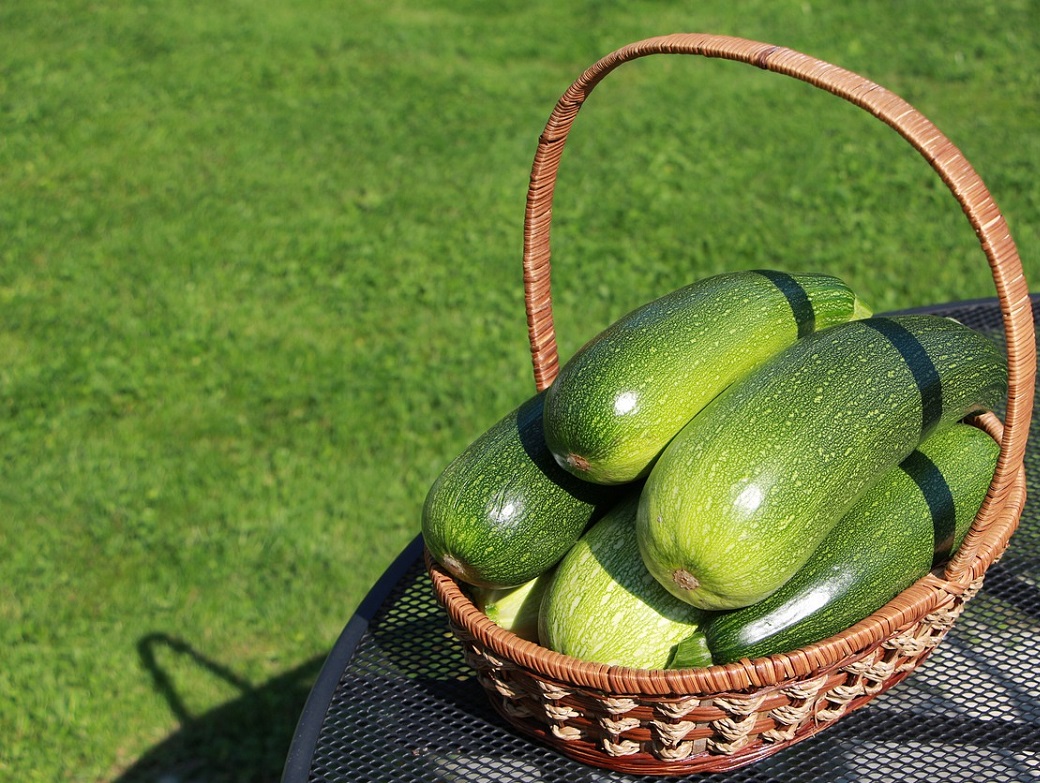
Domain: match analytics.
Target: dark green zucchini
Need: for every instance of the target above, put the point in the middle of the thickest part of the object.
(916, 514)
(750, 487)
(503, 512)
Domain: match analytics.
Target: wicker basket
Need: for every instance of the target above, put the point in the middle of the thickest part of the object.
(722, 717)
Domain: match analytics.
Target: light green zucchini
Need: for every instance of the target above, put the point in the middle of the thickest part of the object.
(514, 608)
(745, 493)
(626, 393)
(603, 606)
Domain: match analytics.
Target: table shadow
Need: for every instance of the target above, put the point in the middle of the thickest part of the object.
(242, 741)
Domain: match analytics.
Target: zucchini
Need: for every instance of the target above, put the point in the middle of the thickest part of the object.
(503, 512)
(916, 514)
(514, 608)
(750, 487)
(603, 606)
(619, 400)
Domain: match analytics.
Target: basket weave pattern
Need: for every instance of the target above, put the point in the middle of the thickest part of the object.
(722, 717)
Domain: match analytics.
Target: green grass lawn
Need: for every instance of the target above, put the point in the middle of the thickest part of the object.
(260, 281)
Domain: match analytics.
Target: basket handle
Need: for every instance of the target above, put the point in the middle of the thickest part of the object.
(974, 556)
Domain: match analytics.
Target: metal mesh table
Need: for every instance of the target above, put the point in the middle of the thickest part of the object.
(395, 700)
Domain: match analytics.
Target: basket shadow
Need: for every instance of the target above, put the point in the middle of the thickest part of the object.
(242, 741)
(439, 672)
(1014, 587)
(997, 735)
(887, 739)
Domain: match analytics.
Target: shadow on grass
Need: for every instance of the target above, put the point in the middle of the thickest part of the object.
(242, 741)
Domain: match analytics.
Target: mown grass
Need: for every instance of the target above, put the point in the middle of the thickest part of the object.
(260, 282)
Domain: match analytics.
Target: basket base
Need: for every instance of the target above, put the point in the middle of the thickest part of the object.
(595, 754)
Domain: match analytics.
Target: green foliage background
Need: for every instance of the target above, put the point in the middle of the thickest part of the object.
(260, 281)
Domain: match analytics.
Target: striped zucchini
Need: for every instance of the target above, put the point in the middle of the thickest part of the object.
(603, 606)
(746, 492)
(503, 511)
(916, 514)
(619, 400)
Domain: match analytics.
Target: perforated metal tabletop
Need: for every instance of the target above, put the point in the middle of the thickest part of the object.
(395, 700)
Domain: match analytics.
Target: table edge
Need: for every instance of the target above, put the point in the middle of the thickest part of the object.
(305, 738)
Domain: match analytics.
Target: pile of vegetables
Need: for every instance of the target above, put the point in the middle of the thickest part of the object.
(747, 465)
